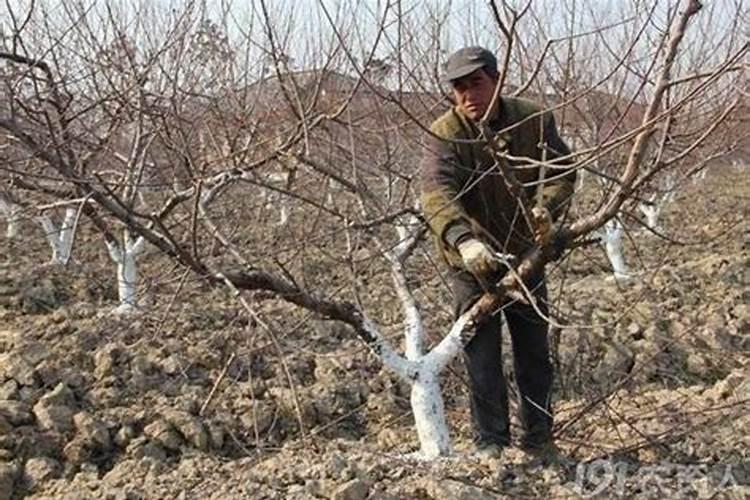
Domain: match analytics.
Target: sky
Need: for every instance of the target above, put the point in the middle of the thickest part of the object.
(424, 31)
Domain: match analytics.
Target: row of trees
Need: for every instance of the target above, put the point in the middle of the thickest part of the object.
(179, 129)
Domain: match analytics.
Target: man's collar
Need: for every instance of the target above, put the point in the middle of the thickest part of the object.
(497, 122)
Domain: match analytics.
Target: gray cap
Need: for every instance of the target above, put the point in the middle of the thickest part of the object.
(467, 60)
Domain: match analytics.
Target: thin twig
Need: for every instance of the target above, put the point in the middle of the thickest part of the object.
(216, 385)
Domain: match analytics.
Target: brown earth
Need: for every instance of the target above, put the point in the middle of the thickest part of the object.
(651, 372)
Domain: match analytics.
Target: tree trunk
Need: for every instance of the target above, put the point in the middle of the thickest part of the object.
(12, 216)
(613, 245)
(125, 255)
(60, 239)
(429, 415)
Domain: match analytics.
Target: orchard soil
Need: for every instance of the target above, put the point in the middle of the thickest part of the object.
(191, 398)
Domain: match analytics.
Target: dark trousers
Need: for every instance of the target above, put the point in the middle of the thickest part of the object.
(533, 370)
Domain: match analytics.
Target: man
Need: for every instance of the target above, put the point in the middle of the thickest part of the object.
(474, 216)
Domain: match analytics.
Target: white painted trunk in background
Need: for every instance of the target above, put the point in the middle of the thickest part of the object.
(612, 237)
(700, 176)
(651, 212)
(11, 232)
(656, 203)
(12, 216)
(67, 229)
(60, 239)
(283, 215)
(125, 254)
(274, 199)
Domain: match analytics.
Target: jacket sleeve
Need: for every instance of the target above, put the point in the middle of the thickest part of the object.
(443, 178)
(558, 190)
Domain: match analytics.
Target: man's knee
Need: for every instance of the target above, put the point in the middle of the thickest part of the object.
(483, 349)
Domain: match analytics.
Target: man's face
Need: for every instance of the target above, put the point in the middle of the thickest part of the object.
(473, 93)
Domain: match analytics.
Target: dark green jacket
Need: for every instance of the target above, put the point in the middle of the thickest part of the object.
(462, 192)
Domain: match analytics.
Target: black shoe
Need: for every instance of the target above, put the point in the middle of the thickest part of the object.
(542, 452)
(537, 441)
(489, 450)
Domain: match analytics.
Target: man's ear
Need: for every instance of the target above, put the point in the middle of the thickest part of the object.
(450, 95)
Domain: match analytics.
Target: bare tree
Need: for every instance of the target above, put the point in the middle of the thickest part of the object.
(172, 133)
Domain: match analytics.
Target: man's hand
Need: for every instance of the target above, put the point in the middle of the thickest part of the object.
(542, 225)
(478, 258)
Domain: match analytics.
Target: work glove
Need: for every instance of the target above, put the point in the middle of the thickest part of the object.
(542, 221)
(478, 258)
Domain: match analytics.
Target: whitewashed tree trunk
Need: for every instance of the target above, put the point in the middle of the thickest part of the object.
(275, 199)
(283, 214)
(612, 238)
(12, 216)
(651, 211)
(422, 370)
(423, 373)
(60, 238)
(700, 176)
(329, 191)
(429, 415)
(426, 398)
(125, 254)
(657, 201)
